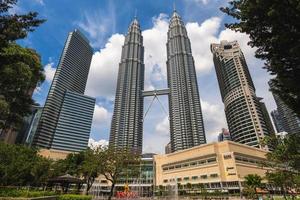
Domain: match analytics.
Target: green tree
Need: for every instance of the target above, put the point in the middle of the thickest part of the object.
(90, 167)
(274, 29)
(118, 164)
(14, 26)
(284, 162)
(21, 165)
(252, 181)
(20, 68)
(20, 71)
(41, 171)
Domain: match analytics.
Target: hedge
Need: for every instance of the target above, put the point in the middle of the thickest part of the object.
(74, 197)
(12, 192)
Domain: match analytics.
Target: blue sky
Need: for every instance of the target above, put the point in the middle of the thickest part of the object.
(105, 23)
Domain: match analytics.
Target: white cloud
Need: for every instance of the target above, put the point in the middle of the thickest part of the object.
(98, 24)
(101, 115)
(163, 127)
(104, 69)
(155, 52)
(205, 2)
(49, 72)
(94, 144)
(41, 2)
(201, 37)
(214, 119)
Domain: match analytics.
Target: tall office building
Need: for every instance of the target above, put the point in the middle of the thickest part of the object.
(266, 116)
(186, 121)
(224, 135)
(61, 116)
(127, 121)
(29, 127)
(243, 109)
(278, 122)
(74, 124)
(289, 119)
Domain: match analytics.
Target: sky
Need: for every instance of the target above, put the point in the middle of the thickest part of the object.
(105, 24)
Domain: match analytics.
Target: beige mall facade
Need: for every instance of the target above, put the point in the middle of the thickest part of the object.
(221, 165)
(54, 154)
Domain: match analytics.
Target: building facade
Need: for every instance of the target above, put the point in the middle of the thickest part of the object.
(243, 109)
(289, 121)
(70, 77)
(224, 135)
(186, 121)
(278, 122)
(74, 124)
(218, 166)
(29, 127)
(141, 186)
(127, 121)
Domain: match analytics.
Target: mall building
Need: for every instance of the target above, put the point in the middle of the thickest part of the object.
(218, 166)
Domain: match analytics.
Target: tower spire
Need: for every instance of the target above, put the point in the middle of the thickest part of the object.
(174, 7)
(135, 14)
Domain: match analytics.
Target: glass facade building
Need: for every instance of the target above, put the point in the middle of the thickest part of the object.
(278, 122)
(287, 118)
(70, 78)
(29, 127)
(74, 124)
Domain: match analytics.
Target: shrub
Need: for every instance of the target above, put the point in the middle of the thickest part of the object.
(13, 192)
(74, 197)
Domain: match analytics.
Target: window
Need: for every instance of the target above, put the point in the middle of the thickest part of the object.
(186, 178)
(214, 175)
(203, 176)
(165, 180)
(227, 157)
(211, 160)
(179, 179)
(195, 177)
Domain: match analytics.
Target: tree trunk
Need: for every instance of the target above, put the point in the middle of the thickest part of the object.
(111, 191)
(89, 185)
(284, 194)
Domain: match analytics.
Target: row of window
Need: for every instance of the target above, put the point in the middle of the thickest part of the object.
(204, 176)
(193, 163)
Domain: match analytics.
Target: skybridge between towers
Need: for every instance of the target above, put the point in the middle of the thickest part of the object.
(156, 92)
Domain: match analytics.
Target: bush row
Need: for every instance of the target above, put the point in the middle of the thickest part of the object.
(12, 192)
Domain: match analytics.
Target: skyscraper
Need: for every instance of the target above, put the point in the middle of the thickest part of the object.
(278, 122)
(30, 123)
(289, 119)
(243, 109)
(224, 135)
(127, 121)
(70, 78)
(186, 122)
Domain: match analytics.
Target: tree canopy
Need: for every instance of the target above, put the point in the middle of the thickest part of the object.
(20, 68)
(15, 26)
(284, 160)
(274, 29)
(117, 164)
(21, 165)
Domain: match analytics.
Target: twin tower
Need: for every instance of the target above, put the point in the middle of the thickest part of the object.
(186, 121)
